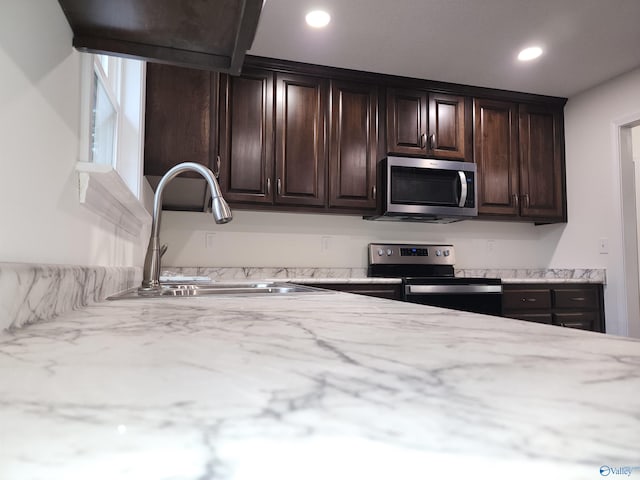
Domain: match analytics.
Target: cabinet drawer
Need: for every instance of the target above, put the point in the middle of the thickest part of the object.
(581, 320)
(390, 291)
(532, 317)
(583, 298)
(526, 299)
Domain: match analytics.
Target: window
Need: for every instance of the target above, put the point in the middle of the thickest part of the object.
(111, 145)
(105, 109)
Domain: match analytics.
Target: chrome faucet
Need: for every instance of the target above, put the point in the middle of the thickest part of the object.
(221, 214)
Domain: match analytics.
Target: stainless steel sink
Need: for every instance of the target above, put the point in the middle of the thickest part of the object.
(221, 288)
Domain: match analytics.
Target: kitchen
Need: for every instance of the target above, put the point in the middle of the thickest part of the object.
(44, 224)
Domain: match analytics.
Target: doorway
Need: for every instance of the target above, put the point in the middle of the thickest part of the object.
(629, 155)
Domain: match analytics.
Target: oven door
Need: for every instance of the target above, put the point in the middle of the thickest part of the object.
(483, 295)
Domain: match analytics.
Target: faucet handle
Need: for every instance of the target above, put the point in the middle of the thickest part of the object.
(163, 249)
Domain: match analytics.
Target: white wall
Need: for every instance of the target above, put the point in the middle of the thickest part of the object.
(41, 219)
(281, 239)
(593, 189)
(303, 240)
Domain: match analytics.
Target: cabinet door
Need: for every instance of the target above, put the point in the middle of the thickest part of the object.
(246, 137)
(546, 318)
(300, 140)
(180, 116)
(580, 320)
(541, 163)
(407, 121)
(449, 130)
(496, 155)
(353, 145)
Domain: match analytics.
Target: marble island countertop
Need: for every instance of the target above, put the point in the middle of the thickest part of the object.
(312, 386)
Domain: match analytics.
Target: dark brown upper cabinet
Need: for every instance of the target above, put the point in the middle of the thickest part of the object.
(246, 137)
(212, 35)
(520, 157)
(287, 136)
(429, 124)
(407, 121)
(181, 118)
(353, 145)
(180, 126)
(300, 153)
(496, 155)
(542, 175)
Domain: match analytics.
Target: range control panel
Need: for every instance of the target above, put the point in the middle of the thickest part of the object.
(410, 254)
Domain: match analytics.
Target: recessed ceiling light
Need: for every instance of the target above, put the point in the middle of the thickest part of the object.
(529, 54)
(318, 18)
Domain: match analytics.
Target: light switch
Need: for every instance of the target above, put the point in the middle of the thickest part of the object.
(603, 246)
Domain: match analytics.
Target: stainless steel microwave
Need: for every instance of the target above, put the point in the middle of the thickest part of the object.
(428, 190)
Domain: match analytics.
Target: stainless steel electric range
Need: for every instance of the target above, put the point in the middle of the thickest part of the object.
(428, 277)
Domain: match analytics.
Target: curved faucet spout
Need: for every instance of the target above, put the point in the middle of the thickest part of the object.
(220, 209)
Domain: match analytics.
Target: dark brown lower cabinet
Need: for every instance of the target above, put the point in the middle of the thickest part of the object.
(568, 305)
(380, 290)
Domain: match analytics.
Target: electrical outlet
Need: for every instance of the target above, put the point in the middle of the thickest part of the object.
(325, 243)
(209, 240)
(603, 246)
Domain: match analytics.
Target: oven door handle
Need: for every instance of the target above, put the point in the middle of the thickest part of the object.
(463, 188)
(450, 289)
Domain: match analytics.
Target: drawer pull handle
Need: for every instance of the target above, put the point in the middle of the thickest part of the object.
(529, 299)
(571, 324)
(578, 299)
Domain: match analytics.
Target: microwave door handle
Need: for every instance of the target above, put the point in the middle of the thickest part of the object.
(463, 188)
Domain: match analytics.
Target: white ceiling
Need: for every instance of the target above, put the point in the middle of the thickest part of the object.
(473, 42)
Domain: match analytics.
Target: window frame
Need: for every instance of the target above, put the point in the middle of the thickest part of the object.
(115, 190)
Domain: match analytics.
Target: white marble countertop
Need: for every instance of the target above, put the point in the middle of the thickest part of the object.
(312, 386)
(359, 275)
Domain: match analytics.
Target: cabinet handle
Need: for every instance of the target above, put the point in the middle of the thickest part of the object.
(279, 187)
(432, 141)
(217, 172)
(571, 324)
(423, 140)
(577, 299)
(529, 299)
(526, 200)
(373, 192)
(268, 186)
(516, 200)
